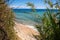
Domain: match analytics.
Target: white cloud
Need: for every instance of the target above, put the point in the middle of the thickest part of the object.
(40, 7)
(20, 7)
(27, 7)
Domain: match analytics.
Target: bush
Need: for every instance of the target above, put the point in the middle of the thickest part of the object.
(6, 22)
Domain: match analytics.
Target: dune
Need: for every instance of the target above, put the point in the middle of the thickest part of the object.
(24, 32)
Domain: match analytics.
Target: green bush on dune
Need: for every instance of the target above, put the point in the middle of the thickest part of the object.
(6, 22)
(49, 29)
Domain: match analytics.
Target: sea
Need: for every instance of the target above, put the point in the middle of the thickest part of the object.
(27, 16)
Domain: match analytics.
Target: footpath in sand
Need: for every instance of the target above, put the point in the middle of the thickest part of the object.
(24, 32)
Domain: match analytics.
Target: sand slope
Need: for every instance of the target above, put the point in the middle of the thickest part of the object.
(24, 32)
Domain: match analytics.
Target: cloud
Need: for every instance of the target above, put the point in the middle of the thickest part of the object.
(19, 7)
(28, 7)
(40, 7)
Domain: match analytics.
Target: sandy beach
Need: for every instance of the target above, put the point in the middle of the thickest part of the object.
(25, 32)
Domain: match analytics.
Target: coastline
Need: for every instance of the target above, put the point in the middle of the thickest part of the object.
(26, 25)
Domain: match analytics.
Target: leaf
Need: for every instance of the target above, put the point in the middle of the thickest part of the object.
(50, 3)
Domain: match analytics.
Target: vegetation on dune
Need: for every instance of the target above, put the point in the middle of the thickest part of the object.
(49, 29)
(6, 22)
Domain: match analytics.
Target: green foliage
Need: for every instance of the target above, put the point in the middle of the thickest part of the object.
(32, 6)
(49, 28)
(49, 2)
(6, 22)
(52, 4)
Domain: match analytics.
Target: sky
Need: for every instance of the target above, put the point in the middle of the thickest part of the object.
(22, 4)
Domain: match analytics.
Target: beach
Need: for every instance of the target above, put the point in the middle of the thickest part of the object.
(25, 32)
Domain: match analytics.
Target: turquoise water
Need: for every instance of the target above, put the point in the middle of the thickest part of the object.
(26, 15)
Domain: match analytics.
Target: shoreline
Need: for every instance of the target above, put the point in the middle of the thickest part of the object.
(27, 25)
(31, 23)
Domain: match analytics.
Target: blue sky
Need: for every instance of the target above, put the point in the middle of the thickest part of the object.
(21, 4)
